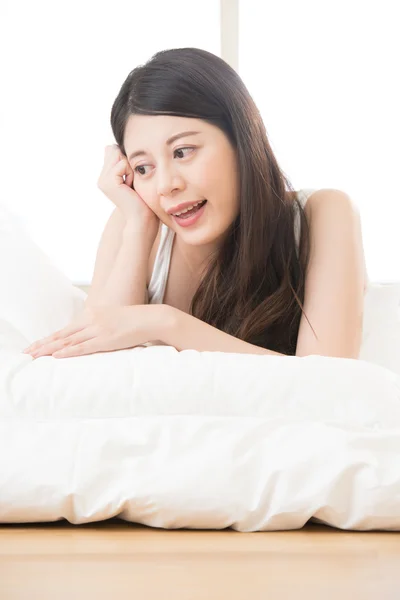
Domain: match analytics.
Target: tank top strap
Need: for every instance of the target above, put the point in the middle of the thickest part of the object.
(162, 261)
(302, 195)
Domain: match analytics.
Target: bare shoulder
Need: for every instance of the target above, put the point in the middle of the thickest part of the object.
(326, 197)
(328, 207)
(324, 204)
(332, 212)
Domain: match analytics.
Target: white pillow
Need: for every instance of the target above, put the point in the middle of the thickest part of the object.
(381, 328)
(35, 296)
(189, 439)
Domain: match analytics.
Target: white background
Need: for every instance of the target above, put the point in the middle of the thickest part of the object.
(324, 76)
(65, 64)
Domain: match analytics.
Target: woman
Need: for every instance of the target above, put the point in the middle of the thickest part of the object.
(253, 267)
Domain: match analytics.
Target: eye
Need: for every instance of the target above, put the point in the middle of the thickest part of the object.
(139, 167)
(184, 148)
(177, 150)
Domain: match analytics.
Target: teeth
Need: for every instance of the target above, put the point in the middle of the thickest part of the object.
(187, 209)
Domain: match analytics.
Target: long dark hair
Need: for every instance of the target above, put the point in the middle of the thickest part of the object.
(253, 287)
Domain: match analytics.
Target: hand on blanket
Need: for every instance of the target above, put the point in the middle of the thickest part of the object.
(102, 329)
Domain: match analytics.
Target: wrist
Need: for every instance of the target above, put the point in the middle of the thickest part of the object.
(166, 322)
(133, 236)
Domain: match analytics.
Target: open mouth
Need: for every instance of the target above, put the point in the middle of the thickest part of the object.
(191, 216)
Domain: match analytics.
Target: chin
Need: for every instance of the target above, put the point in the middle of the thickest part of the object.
(197, 240)
(202, 238)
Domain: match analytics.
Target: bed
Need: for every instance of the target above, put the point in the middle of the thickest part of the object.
(261, 443)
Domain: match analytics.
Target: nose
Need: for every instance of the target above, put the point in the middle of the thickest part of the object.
(168, 180)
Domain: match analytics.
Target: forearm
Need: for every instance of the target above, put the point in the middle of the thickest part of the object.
(126, 283)
(185, 332)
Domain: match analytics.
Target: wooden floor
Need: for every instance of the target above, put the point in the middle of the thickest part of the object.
(120, 560)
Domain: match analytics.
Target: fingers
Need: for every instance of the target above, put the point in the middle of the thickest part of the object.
(68, 345)
(112, 155)
(116, 165)
(129, 179)
(111, 149)
(58, 335)
(39, 343)
(86, 347)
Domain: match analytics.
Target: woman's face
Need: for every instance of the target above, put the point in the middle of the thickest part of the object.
(190, 169)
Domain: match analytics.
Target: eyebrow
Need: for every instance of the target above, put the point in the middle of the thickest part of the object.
(168, 142)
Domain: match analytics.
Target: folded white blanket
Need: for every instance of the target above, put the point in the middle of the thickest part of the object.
(188, 439)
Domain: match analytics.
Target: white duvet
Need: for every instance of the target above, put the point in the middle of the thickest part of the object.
(191, 439)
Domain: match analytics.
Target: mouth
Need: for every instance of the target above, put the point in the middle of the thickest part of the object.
(191, 216)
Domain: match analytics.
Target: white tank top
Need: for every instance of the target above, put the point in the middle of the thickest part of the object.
(162, 261)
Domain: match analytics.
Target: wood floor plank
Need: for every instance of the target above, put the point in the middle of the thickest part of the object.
(123, 560)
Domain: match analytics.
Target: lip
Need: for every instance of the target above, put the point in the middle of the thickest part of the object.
(182, 206)
(188, 221)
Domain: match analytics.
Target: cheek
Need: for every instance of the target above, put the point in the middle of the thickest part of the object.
(154, 205)
(216, 177)
(222, 190)
(208, 176)
(146, 194)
